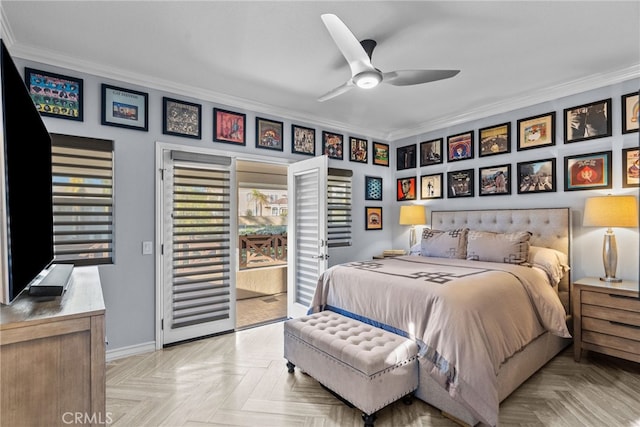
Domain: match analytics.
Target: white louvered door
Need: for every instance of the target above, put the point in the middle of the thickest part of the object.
(197, 266)
(307, 240)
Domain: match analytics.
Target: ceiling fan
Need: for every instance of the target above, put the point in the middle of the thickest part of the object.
(363, 73)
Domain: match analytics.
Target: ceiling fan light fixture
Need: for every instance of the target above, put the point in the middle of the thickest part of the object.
(367, 79)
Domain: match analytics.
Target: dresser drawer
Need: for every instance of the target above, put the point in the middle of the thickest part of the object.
(629, 332)
(610, 300)
(610, 341)
(611, 314)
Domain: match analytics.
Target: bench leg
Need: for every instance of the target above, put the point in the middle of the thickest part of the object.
(368, 419)
(408, 399)
(290, 367)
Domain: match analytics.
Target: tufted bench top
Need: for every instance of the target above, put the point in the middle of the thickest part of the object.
(366, 348)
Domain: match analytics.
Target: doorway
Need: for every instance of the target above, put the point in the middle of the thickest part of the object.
(261, 279)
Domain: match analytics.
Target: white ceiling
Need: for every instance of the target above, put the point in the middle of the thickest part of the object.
(277, 58)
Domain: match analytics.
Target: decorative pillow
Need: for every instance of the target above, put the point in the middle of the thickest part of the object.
(553, 262)
(509, 248)
(444, 244)
(415, 249)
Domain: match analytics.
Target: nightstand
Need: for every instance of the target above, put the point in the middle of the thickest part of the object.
(606, 318)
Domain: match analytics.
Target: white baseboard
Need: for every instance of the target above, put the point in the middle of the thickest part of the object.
(121, 352)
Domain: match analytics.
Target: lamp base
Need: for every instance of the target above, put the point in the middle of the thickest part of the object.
(610, 279)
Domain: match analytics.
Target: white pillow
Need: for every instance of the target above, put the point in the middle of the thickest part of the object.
(444, 244)
(551, 261)
(509, 248)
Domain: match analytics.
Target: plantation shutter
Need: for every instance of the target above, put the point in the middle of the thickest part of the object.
(201, 240)
(82, 171)
(339, 207)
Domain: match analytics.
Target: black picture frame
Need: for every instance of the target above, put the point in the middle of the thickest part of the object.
(269, 134)
(587, 121)
(431, 152)
(587, 171)
(631, 167)
(406, 188)
(494, 140)
(55, 95)
(537, 131)
(303, 140)
(333, 145)
(125, 108)
(229, 127)
(536, 176)
(380, 154)
(494, 180)
(406, 157)
(431, 186)
(181, 118)
(373, 188)
(460, 184)
(630, 112)
(358, 150)
(373, 218)
(460, 146)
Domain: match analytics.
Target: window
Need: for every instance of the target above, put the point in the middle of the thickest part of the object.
(339, 207)
(82, 200)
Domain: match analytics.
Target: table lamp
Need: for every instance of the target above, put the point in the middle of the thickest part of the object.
(610, 211)
(412, 215)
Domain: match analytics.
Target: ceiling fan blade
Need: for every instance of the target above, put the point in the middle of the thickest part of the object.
(416, 77)
(350, 47)
(337, 91)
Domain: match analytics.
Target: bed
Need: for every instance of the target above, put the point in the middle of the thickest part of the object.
(486, 298)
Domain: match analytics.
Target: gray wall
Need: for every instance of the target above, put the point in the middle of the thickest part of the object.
(129, 284)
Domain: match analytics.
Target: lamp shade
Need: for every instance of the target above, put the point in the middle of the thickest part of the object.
(611, 211)
(412, 215)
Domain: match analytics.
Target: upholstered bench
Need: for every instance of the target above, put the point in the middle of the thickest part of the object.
(364, 365)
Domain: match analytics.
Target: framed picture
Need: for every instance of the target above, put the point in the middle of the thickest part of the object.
(229, 127)
(587, 171)
(125, 108)
(358, 150)
(55, 95)
(537, 176)
(460, 146)
(303, 140)
(630, 112)
(373, 218)
(406, 157)
(269, 134)
(588, 121)
(431, 186)
(460, 183)
(380, 154)
(431, 152)
(495, 140)
(630, 167)
(406, 188)
(495, 180)
(537, 131)
(333, 145)
(181, 118)
(372, 188)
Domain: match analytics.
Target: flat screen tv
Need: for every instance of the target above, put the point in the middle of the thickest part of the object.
(26, 204)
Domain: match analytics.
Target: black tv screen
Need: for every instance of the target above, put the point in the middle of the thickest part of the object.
(28, 222)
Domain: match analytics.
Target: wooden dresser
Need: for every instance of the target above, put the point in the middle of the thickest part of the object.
(52, 356)
(606, 318)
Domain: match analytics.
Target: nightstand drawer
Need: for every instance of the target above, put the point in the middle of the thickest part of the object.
(610, 341)
(612, 314)
(611, 300)
(623, 330)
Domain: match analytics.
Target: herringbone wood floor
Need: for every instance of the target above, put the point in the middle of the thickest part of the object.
(240, 379)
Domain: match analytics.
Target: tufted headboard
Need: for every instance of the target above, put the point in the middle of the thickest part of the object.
(550, 228)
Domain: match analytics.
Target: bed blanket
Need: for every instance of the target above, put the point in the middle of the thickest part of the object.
(467, 317)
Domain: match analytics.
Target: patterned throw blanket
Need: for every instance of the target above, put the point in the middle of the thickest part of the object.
(468, 317)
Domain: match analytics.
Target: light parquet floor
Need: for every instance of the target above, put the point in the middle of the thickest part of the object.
(240, 379)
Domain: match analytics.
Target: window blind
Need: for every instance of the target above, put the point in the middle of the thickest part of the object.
(339, 207)
(82, 170)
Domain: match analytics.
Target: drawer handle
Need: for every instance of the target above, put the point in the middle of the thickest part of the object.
(624, 296)
(623, 324)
